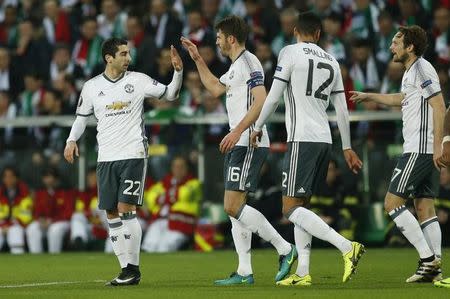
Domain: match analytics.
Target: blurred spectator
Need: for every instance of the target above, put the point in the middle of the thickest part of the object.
(62, 65)
(288, 19)
(78, 12)
(227, 7)
(66, 85)
(257, 17)
(8, 110)
(142, 47)
(213, 106)
(33, 49)
(442, 70)
(332, 42)
(197, 31)
(387, 30)
(209, 55)
(336, 202)
(31, 98)
(5, 4)
(8, 27)
(112, 21)
(53, 136)
(443, 206)
(324, 8)
(9, 77)
(87, 51)
(441, 34)
(364, 70)
(362, 22)
(35, 160)
(15, 210)
(392, 81)
(53, 207)
(412, 13)
(190, 94)
(56, 23)
(174, 204)
(88, 222)
(268, 62)
(211, 13)
(163, 25)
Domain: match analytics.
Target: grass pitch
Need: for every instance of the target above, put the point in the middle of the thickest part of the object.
(381, 274)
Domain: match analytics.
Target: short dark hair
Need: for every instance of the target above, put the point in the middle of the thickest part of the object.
(308, 23)
(235, 26)
(416, 36)
(111, 46)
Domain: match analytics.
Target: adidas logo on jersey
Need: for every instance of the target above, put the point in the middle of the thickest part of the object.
(301, 190)
(101, 94)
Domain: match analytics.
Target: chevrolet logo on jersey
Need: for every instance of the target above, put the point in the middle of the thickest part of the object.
(118, 105)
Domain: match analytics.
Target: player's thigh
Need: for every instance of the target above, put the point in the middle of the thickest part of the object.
(303, 167)
(242, 166)
(132, 175)
(108, 186)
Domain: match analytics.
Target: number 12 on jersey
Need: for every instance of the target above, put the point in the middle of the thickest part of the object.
(318, 93)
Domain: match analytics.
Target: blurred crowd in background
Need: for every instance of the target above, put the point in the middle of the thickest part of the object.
(49, 48)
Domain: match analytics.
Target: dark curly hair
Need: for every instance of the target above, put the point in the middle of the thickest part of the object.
(416, 36)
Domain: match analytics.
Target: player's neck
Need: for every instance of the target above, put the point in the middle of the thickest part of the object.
(410, 61)
(236, 52)
(112, 73)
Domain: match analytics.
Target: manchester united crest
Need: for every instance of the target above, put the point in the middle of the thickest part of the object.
(129, 88)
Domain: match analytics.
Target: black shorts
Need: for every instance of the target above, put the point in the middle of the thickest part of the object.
(242, 166)
(122, 181)
(305, 167)
(415, 176)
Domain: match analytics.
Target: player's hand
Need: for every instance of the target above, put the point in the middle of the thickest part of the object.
(71, 148)
(229, 141)
(255, 138)
(175, 59)
(191, 48)
(444, 159)
(357, 96)
(353, 161)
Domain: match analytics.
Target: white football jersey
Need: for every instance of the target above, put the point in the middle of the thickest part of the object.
(119, 109)
(312, 75)
(245, 73)
(420, 82)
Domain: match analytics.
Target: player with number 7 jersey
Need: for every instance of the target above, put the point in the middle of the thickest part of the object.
(310, 79)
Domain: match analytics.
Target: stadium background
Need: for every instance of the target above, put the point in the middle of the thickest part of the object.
(48, 49)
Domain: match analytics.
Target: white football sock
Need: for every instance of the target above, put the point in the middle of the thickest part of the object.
(432, 232)
(116, 234)
(242, 238)
(410, 228)
(133, 236)
(314, 225)
(303, 242)
(258, 224)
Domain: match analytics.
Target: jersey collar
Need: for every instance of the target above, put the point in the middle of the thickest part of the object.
(113, 81)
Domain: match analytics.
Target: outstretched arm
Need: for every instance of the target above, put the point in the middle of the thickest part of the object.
(210, 81)
(173, 89)
(393, 99)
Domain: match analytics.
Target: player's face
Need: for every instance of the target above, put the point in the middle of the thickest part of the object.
(223, 43)
(122, 59)
(398, 49)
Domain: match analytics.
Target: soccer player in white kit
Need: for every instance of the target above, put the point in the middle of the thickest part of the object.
(245, 94)
(116, 99)
(416, 174)
(309, 78)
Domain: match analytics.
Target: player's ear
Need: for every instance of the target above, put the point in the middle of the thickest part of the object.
(317, 35)
(108, 58)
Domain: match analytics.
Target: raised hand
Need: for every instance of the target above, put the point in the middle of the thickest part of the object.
(191, 48)
(175, 58)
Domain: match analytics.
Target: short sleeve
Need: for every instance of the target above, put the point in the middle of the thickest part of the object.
(152, 88)
(427, 81)
(252, 72)
(284, 66)
(85, 106)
